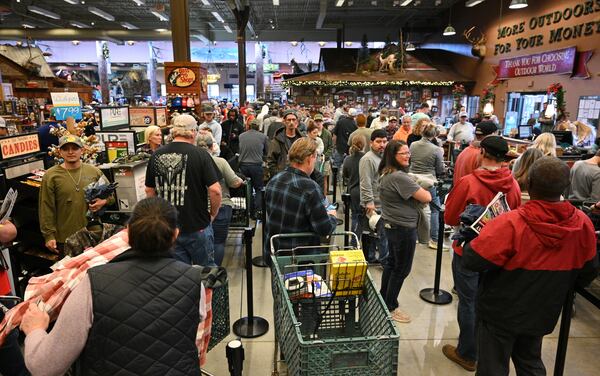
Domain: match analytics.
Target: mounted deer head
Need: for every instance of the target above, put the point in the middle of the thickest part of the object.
(477, 40)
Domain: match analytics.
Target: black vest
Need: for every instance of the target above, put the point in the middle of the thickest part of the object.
(146, 314)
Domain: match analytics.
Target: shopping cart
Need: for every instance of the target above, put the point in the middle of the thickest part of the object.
(328, 326)
(240, 216)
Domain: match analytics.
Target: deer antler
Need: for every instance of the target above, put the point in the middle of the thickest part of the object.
(468, 34)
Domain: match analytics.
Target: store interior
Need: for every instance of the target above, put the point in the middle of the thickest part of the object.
(106, 70)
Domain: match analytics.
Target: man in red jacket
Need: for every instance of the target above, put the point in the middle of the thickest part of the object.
(533, 256)
(479, 188)
(470, 159)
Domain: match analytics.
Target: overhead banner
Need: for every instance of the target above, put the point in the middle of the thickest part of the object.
(551, 62)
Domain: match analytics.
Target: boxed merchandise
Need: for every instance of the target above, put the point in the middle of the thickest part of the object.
(347, 270)
(305, 284)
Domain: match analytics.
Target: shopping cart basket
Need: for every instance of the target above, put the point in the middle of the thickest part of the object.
(325, 331)
(240, 216)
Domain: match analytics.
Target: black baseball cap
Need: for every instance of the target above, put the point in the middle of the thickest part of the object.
(495, 146)
(485, 128)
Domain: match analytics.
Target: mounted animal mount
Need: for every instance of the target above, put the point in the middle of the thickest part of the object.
(387, 63)
(477, 39)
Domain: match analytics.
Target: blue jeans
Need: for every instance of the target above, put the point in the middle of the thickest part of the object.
(220, 228)
(256, 173)
(466, 283)
(434, 223)
(380, 244)
(402, 241)
(196, 248)
(337, 159)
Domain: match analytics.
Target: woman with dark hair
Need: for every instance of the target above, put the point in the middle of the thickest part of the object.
(400, 196)
(350, 174)
(136, 315)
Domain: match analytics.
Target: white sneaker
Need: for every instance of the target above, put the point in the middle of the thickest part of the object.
(433, 245)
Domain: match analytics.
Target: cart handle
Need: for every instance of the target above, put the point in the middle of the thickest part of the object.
(307, 235)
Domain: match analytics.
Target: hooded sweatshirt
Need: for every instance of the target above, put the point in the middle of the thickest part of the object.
(533, 256)
(480, 188)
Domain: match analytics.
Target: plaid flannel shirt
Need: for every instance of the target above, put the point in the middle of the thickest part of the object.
(51, 290)
(295, 204)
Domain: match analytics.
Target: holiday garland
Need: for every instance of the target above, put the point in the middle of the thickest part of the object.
(559, 92)
(458, 91)
(289, 83)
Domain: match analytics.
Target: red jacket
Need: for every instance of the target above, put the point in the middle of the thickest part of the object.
(468, 161)
(479, 188)
(532, 255)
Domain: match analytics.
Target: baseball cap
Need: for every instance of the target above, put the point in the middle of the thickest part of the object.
(463, 114)
(185, 121)
(352, 112)
(485, 128)
(495, 146)
(207, 108)
(318, 117)
(393, 118)
(70, 139)
(290, 112)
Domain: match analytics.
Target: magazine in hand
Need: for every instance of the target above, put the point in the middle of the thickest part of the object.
(7, 205)
(497, 206)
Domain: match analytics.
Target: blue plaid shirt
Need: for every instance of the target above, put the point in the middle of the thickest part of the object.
(295, 204)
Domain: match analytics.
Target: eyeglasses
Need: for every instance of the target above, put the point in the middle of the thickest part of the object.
(403, 152)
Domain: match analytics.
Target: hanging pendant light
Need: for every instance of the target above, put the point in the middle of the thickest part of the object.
(410, 47)
(488, 109)
(518, 4)
(449, 30)
(550, 110)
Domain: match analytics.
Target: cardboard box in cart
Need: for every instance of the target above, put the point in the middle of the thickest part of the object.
(346, 271)
(132, 184)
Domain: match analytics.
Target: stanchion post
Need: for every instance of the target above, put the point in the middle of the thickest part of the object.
(334, 171)
(250, 326)
(346, 201)
(563, 336)
(259, 260)
(435, 295)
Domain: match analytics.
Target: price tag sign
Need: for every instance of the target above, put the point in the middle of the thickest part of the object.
(66, 105)
(111, 117)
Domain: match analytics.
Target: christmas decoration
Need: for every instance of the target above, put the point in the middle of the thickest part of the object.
(458, 91)
(488, 95)
(558, 92)
(289, 83)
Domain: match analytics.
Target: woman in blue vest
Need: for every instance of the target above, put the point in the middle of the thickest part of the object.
(136, 315)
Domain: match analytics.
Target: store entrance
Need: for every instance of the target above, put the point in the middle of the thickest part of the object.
(522, 107)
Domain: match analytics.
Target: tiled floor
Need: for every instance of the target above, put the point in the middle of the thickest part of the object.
(420, 341)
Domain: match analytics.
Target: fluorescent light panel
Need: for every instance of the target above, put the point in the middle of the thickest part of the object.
(218, 16)
(205, 2)
(101, 13)
(43, 12)
(339, 3)
(405, 3)
(79, 25)
(472, 3)
(276, 2)
(28, 25)
(228, 28)
(72, 2)
(139, 3)
(160, 15)
(129, 26)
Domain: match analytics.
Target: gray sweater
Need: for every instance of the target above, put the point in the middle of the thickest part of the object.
(253, 147)
(426, 158)
(369, 179)
(585, 182)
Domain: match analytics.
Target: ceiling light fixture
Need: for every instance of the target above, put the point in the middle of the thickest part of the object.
(518, 4)
(218, 16)
(130, 43)
(449, 30)
(43, 12)
(410, 47)
(348, 44)
(227, 28)
(28, 25)
(92, 23)
(322, 44)
(129, 26)
(374, 3)
(161, 16)
(161, 30)
(472, 3)
(139, 3)
(79, 25)
(72, 2)
(294, 43)
(276, 3)
(405, 3)
(75, 42)
(339, 3)
(101, 13)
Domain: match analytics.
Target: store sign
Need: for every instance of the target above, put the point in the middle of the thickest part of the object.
(66, 105)
(19, 145)
(141, 116)
(551, 62)
(122, 137)
(114, 117)
(182, 77)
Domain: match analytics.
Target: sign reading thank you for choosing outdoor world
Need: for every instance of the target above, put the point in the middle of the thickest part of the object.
(551, 62)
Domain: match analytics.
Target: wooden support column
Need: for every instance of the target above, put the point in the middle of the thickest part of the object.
(241, 17)
(103, 69)
(180, 30)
